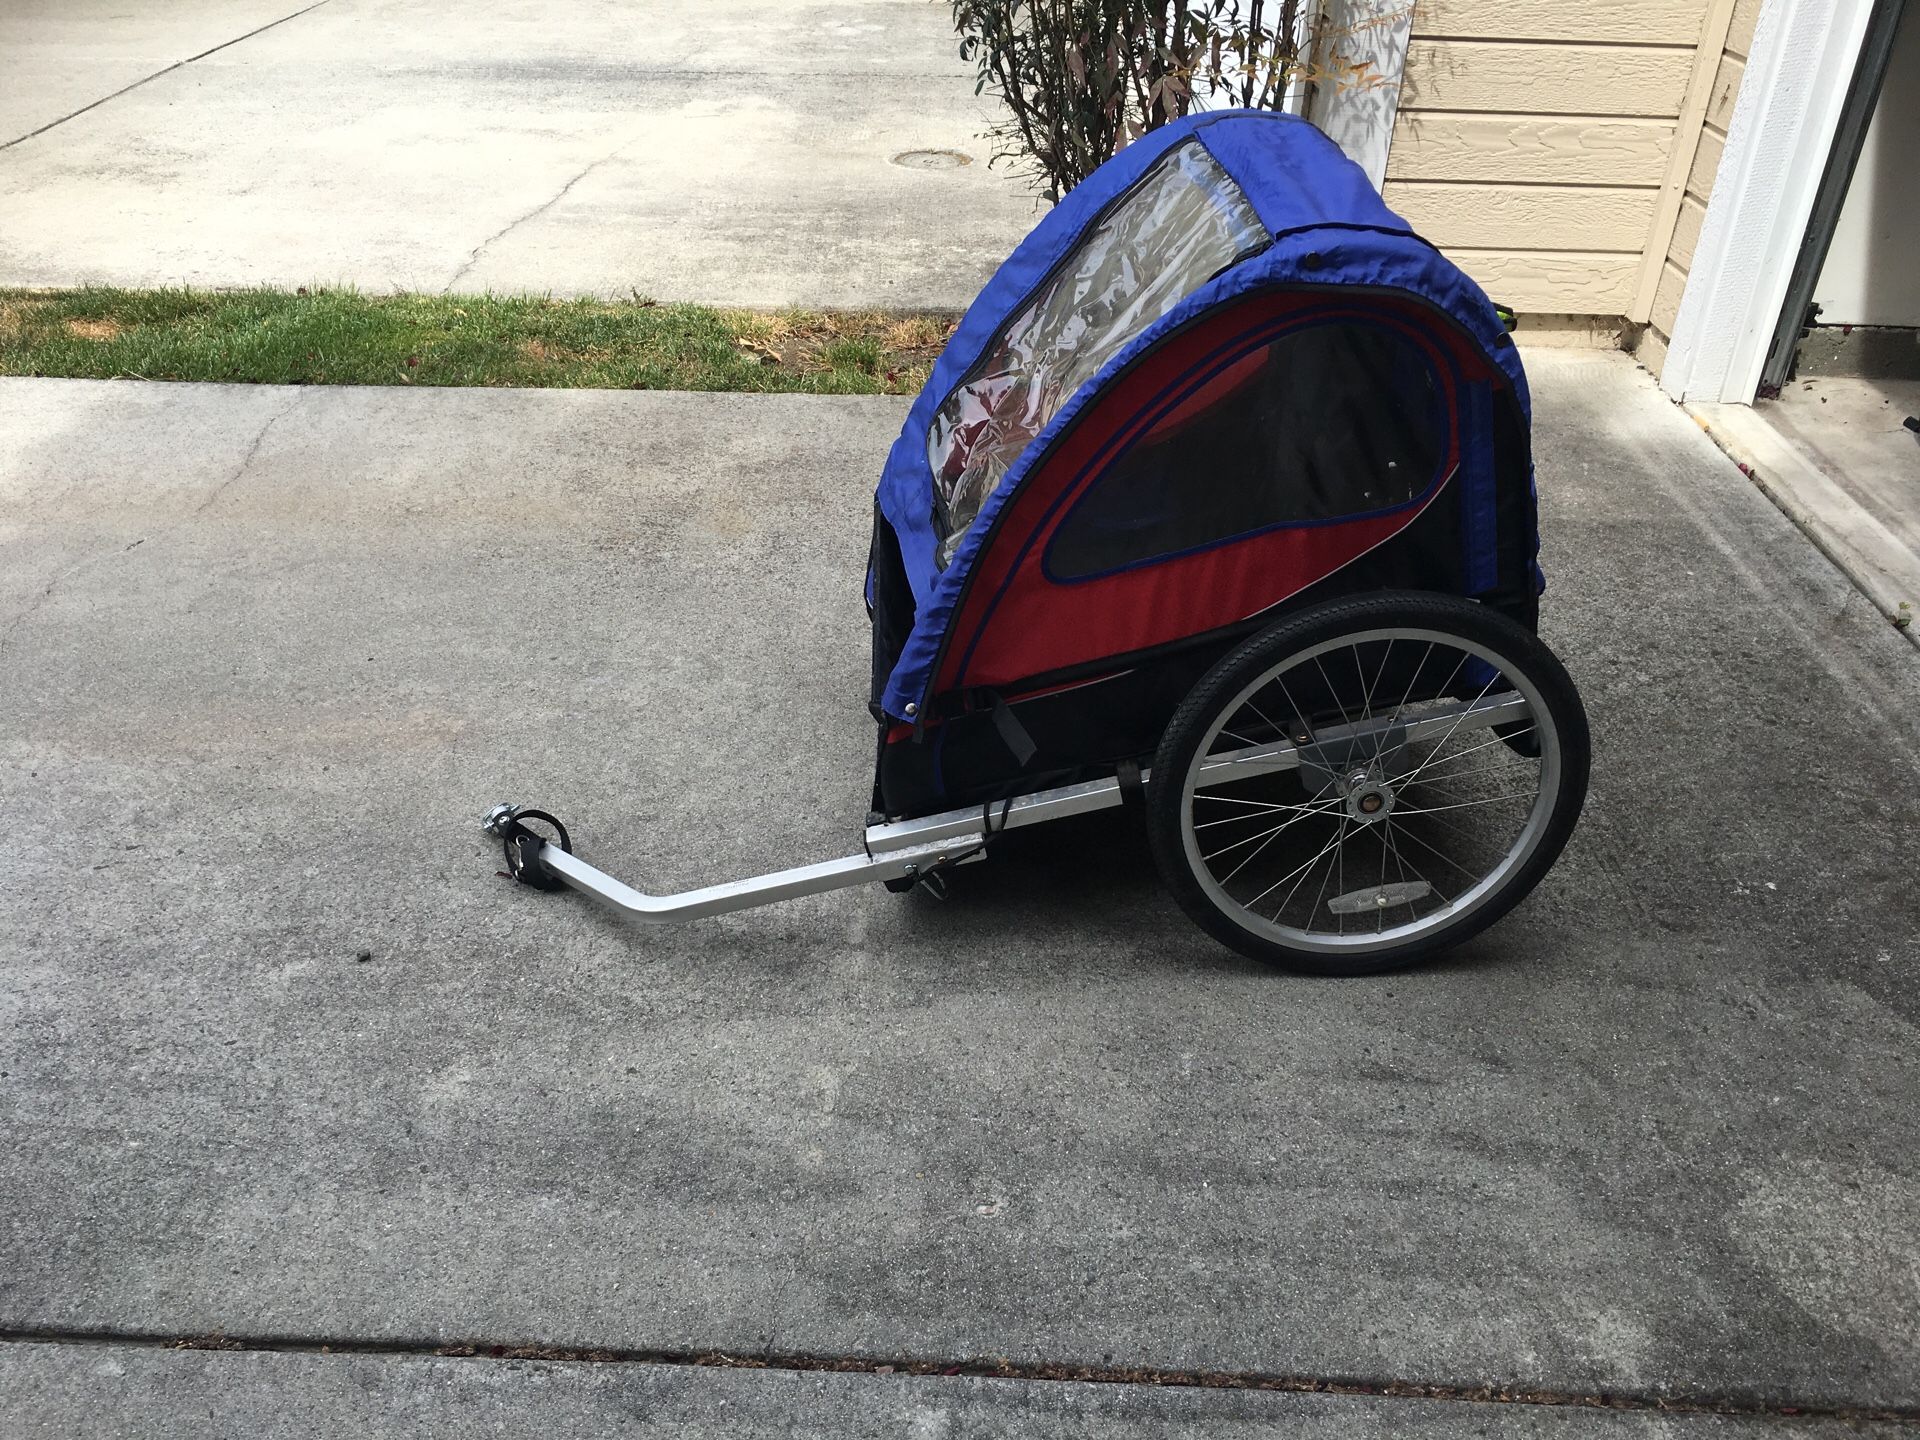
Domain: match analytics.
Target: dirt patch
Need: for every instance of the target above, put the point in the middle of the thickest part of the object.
(918, 337)
(807, 343)
(551, 352)
(94, 329)
(13, 319)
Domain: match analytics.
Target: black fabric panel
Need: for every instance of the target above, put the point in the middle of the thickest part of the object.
(1077, 734)
(1329, 421)
(1426, 555)
(1515, 516)
(890, 609)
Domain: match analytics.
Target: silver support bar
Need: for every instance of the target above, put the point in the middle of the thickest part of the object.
(1503, 709)
(745, 894)
(905, 848)
(977, 821)
(1104, 794)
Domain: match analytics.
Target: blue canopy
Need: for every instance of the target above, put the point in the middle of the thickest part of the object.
(1323, 224)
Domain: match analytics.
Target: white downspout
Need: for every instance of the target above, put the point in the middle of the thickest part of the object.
(1358, 117)
(1366, 33)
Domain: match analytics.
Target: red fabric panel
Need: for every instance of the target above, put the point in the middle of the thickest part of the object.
(1013, 622)
(1207, 396)
(1039, 626)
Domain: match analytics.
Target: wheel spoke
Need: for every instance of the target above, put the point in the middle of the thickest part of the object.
(1345, 719)
(1265, 721)
(1434, 805)
(1291, 873)
(1463, 804)
(1272, 835)
(1274, 875)
(1472, 878)
(1256, 804)
(1256, 816)
(1306, 722)
(1379, 674)
(1339, 849)
(1456, 720)
(1403, 864)
(1457, 755)
(1453, 829)
(1455, 787)
(1413, 680)
(1380, 914)
(1339, 887)
(1248, 840)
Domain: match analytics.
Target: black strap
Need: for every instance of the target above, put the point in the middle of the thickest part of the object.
(991, 825)
(1133, 790)
(523, 845)
(1013, 732)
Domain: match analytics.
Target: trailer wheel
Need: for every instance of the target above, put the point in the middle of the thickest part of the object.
(1368, 782)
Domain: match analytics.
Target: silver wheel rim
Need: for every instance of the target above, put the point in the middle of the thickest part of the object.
(1308, 825)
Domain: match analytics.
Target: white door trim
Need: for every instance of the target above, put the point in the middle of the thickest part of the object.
(1784, 120)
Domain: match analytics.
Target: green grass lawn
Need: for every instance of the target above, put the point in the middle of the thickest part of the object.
(341, 337)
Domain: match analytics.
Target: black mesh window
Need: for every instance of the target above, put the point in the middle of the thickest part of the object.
(1330, 421)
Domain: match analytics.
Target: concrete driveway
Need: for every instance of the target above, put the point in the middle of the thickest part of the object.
(746, 153)
(285, 1059)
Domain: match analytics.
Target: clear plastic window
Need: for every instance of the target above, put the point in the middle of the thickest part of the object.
(1326, 423)
(1181, 225)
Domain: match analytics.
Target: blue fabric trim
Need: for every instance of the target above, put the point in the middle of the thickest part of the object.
(1481, 561)
(1330, 228)
(1293, 176)
(1533, 509)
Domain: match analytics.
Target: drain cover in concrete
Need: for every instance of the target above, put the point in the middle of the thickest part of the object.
(932, 159)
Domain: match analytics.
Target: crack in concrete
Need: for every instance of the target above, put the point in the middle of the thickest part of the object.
(96, 104)
(473, 256)
(995, 1368)
(246, 463)
(39, 601)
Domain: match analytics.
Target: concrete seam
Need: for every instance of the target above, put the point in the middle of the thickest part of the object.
(96, 104)
(996, 1368)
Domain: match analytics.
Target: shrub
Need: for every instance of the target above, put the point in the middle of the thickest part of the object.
(1082, 78)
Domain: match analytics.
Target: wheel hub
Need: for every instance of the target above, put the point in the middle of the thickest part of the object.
(1368, 799)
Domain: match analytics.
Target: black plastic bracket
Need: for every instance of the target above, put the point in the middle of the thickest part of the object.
(522, 845)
